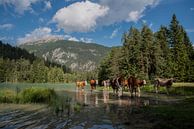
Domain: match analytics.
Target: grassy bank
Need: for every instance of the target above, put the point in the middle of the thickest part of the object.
(176, 89)
(42, 93)
(28, 95)
(56, 86)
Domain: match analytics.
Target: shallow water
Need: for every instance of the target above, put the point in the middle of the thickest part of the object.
(86, 110)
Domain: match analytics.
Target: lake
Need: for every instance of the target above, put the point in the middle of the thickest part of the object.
(82, 109)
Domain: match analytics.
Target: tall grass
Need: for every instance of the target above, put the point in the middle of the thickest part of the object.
(8, 96)
(28, 95)
(59, 104)
(37, 95)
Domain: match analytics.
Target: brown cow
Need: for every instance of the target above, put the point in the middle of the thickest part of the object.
(92, 84)
(164, 83)
(80, 84)
(134, 84)
(117, 84)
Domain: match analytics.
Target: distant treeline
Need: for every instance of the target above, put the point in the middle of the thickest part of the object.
(147, 54)
(9, 52)
(17, 65)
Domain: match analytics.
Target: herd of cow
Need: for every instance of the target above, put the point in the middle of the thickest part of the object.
(132, 83)
(120, 84)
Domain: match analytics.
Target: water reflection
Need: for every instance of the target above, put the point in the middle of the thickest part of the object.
(106, 97)
(95, 110)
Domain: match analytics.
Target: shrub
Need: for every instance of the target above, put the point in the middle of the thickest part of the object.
(37, 95)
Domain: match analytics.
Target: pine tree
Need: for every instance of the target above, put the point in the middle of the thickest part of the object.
(147, 52)
(162, 53)
(115, 62)
(103, 70)
(131, 52)
(180, 56)
(190, 53)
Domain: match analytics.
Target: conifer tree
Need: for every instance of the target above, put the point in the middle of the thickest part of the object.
(131, 52)
(180, 56)
(162, 53)
(147, 51)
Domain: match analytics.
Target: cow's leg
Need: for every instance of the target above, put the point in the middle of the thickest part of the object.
(113, 91)
(117, 91)
(123, 87)
(156, 85)
(91, 88)
(156, 89)
(167, 90)
(129, 90)
(139, 91)
(132, 90)
(135, 91)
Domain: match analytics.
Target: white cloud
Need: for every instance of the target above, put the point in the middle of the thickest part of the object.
(6, 26)
(192, 9)
(2, 38)
(144, 21)
(68, 0)
(47, 5)
(41, 20)
(19, 5)
(134, 16)
(190, 30)
(70, 38)
(125, 10)
(150, 25)
(85, 16)
(8, 39)
(79, 16)
(114, 33)
(45, 34)
(86, 40)
(39, 34)
(82, 39)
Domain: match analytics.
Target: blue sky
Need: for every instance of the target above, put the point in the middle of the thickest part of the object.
(98, 21)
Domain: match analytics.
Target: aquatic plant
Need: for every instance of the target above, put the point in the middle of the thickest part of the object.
(37, 95)
(29, 95)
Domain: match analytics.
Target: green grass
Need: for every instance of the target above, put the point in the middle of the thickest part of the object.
(28, 95)
(176, 89)
(8, 96)
(56, 86)
(39, 93)
(183, 84)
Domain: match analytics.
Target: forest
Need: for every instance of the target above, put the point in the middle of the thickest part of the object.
(17, 65)
(145, 54)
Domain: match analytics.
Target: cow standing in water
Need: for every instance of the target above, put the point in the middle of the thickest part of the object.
(164, 83)
(80, 85)
(117, 84)
(135, 84)
(106, 84)
(92, 84)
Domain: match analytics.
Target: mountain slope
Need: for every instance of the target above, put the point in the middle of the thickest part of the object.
(9, 52)
(75, 55)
